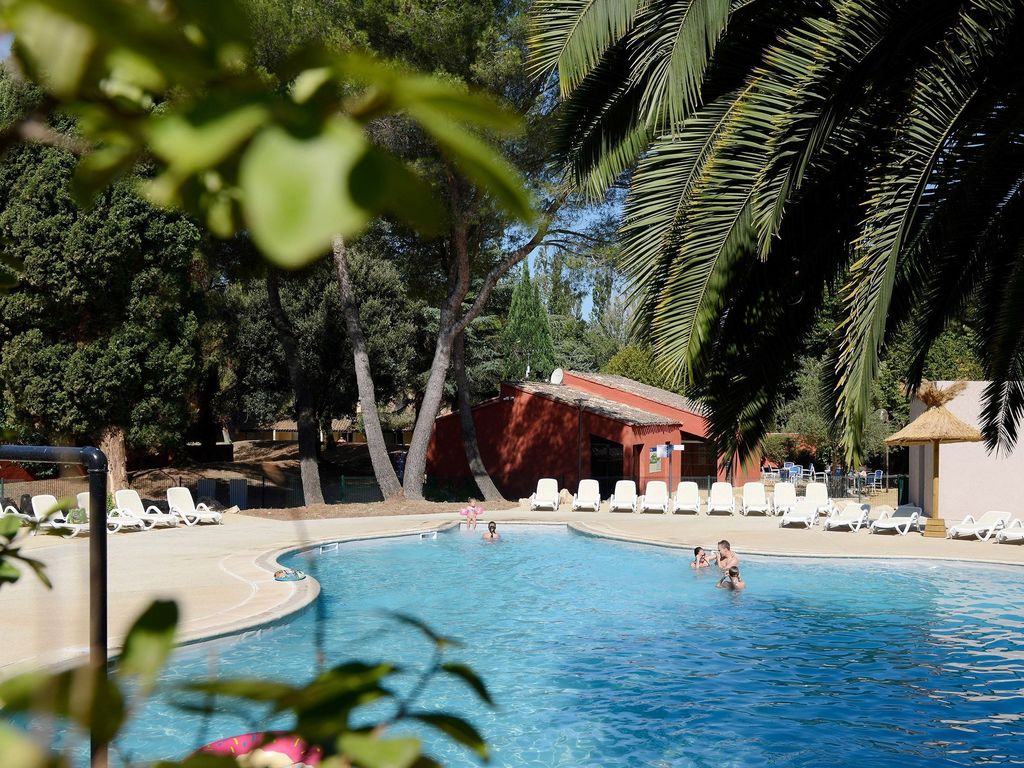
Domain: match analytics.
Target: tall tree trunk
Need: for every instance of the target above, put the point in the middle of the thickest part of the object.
(433, 393)
(112, 443)
(483, 480)
(382, 467)
(305, 413)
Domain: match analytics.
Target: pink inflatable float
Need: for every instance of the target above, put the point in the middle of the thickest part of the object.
(271, 744)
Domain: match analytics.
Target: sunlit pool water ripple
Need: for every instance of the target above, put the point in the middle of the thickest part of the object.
(603, 653)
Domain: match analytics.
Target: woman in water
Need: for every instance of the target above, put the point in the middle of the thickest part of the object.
(492, 532)
(700, 559)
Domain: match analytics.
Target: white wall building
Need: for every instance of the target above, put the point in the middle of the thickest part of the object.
(971, 480)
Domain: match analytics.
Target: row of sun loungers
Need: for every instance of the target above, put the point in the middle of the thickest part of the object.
(128, 514)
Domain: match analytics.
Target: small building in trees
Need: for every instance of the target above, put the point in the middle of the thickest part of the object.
(590, 425)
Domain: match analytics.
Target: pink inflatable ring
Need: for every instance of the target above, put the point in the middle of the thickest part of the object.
(270, 742)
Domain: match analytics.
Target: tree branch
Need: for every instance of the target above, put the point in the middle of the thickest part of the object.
(38, 132)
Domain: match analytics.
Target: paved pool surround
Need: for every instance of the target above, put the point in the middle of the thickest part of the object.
(222, 576)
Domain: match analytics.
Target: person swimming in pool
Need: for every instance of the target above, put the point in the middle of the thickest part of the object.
(725, 558)
(732, 580)
(492, 532)
(700, 558)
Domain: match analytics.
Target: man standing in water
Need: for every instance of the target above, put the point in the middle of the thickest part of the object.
(492, 532)
(725, 558)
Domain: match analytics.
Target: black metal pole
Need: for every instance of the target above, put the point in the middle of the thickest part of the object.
(95, 463)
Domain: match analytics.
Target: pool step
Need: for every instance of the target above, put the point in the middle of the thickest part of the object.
(935, 528)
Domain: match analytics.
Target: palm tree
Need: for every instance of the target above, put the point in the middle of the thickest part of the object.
(778, 149)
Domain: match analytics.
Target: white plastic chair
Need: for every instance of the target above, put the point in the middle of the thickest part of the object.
(687, 498)
(656, 497)
(1013, 533)
(784, 498)
(47, 514)
(588, 496)
(180, 503)
(853, 517)
(624, 497)
(755, 501)
(804, 513)
(817, 493)
(128, 501)
(982, 528)
(117, 520)
(546, 495)
(901, 520)
(721, 499)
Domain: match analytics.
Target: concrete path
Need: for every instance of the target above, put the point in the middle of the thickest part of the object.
(222, 576)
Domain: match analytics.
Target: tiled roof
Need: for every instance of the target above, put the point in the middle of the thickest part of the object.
(591, 403)
(656, 394)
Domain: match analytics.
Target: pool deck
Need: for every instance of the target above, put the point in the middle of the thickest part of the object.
(222, 576)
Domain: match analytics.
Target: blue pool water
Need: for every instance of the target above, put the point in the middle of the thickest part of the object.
(602, 653)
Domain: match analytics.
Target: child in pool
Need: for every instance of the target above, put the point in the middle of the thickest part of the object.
(471, 512)
(732, 580)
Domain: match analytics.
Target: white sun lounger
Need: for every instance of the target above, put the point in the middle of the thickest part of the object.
(784, 498)
(983, 527)
(180, 503)
(817, 493)
(128, 502)
(901, 520)
(687, 498)
(755, 501)
(656, 498)
(804, 513)
(546, 495)
(624, 497)
(853, 517)
(117, 520)
(47, 515)
(721, 500)
(1013, 533)
(10, 510)
(588, 496)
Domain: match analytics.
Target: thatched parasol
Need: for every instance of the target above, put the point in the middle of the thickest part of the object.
(936, 426)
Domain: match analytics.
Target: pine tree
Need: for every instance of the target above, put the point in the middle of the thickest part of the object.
(527, 333)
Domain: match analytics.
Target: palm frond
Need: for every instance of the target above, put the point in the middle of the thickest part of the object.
(945, 92)
(570, 36)
(672, 43)
(660, 190)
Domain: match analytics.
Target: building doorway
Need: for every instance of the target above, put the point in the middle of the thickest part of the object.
(606, 464)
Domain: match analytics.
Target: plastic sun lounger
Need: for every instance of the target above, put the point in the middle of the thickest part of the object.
(983, 527)
(721, 499)
(656, 498)
(901, 520)
(180, 503)
(624, 497)
(588, 496)
(9, 510)
(755, 501)
(853, 517)
(804, 513)
(784, 498)
(687, 498)
(128, 502)
(817, 493)
(117, 519)
(546, 495)
(1013, 533)
(47, 515)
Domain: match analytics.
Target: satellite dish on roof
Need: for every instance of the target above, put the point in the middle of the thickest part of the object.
(557, 375)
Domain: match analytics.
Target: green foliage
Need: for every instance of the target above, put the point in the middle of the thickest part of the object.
(526, 337)
(777, 448)
(283, 155)
(637, 363)
(325, 710)
(102, 329)
(789, 157)
(11, 529)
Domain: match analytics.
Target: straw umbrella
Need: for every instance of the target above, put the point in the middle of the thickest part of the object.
(936, 426)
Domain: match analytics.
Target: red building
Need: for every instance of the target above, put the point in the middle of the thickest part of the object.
(591, 425)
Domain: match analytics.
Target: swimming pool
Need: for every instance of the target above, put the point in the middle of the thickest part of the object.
(602, 653)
